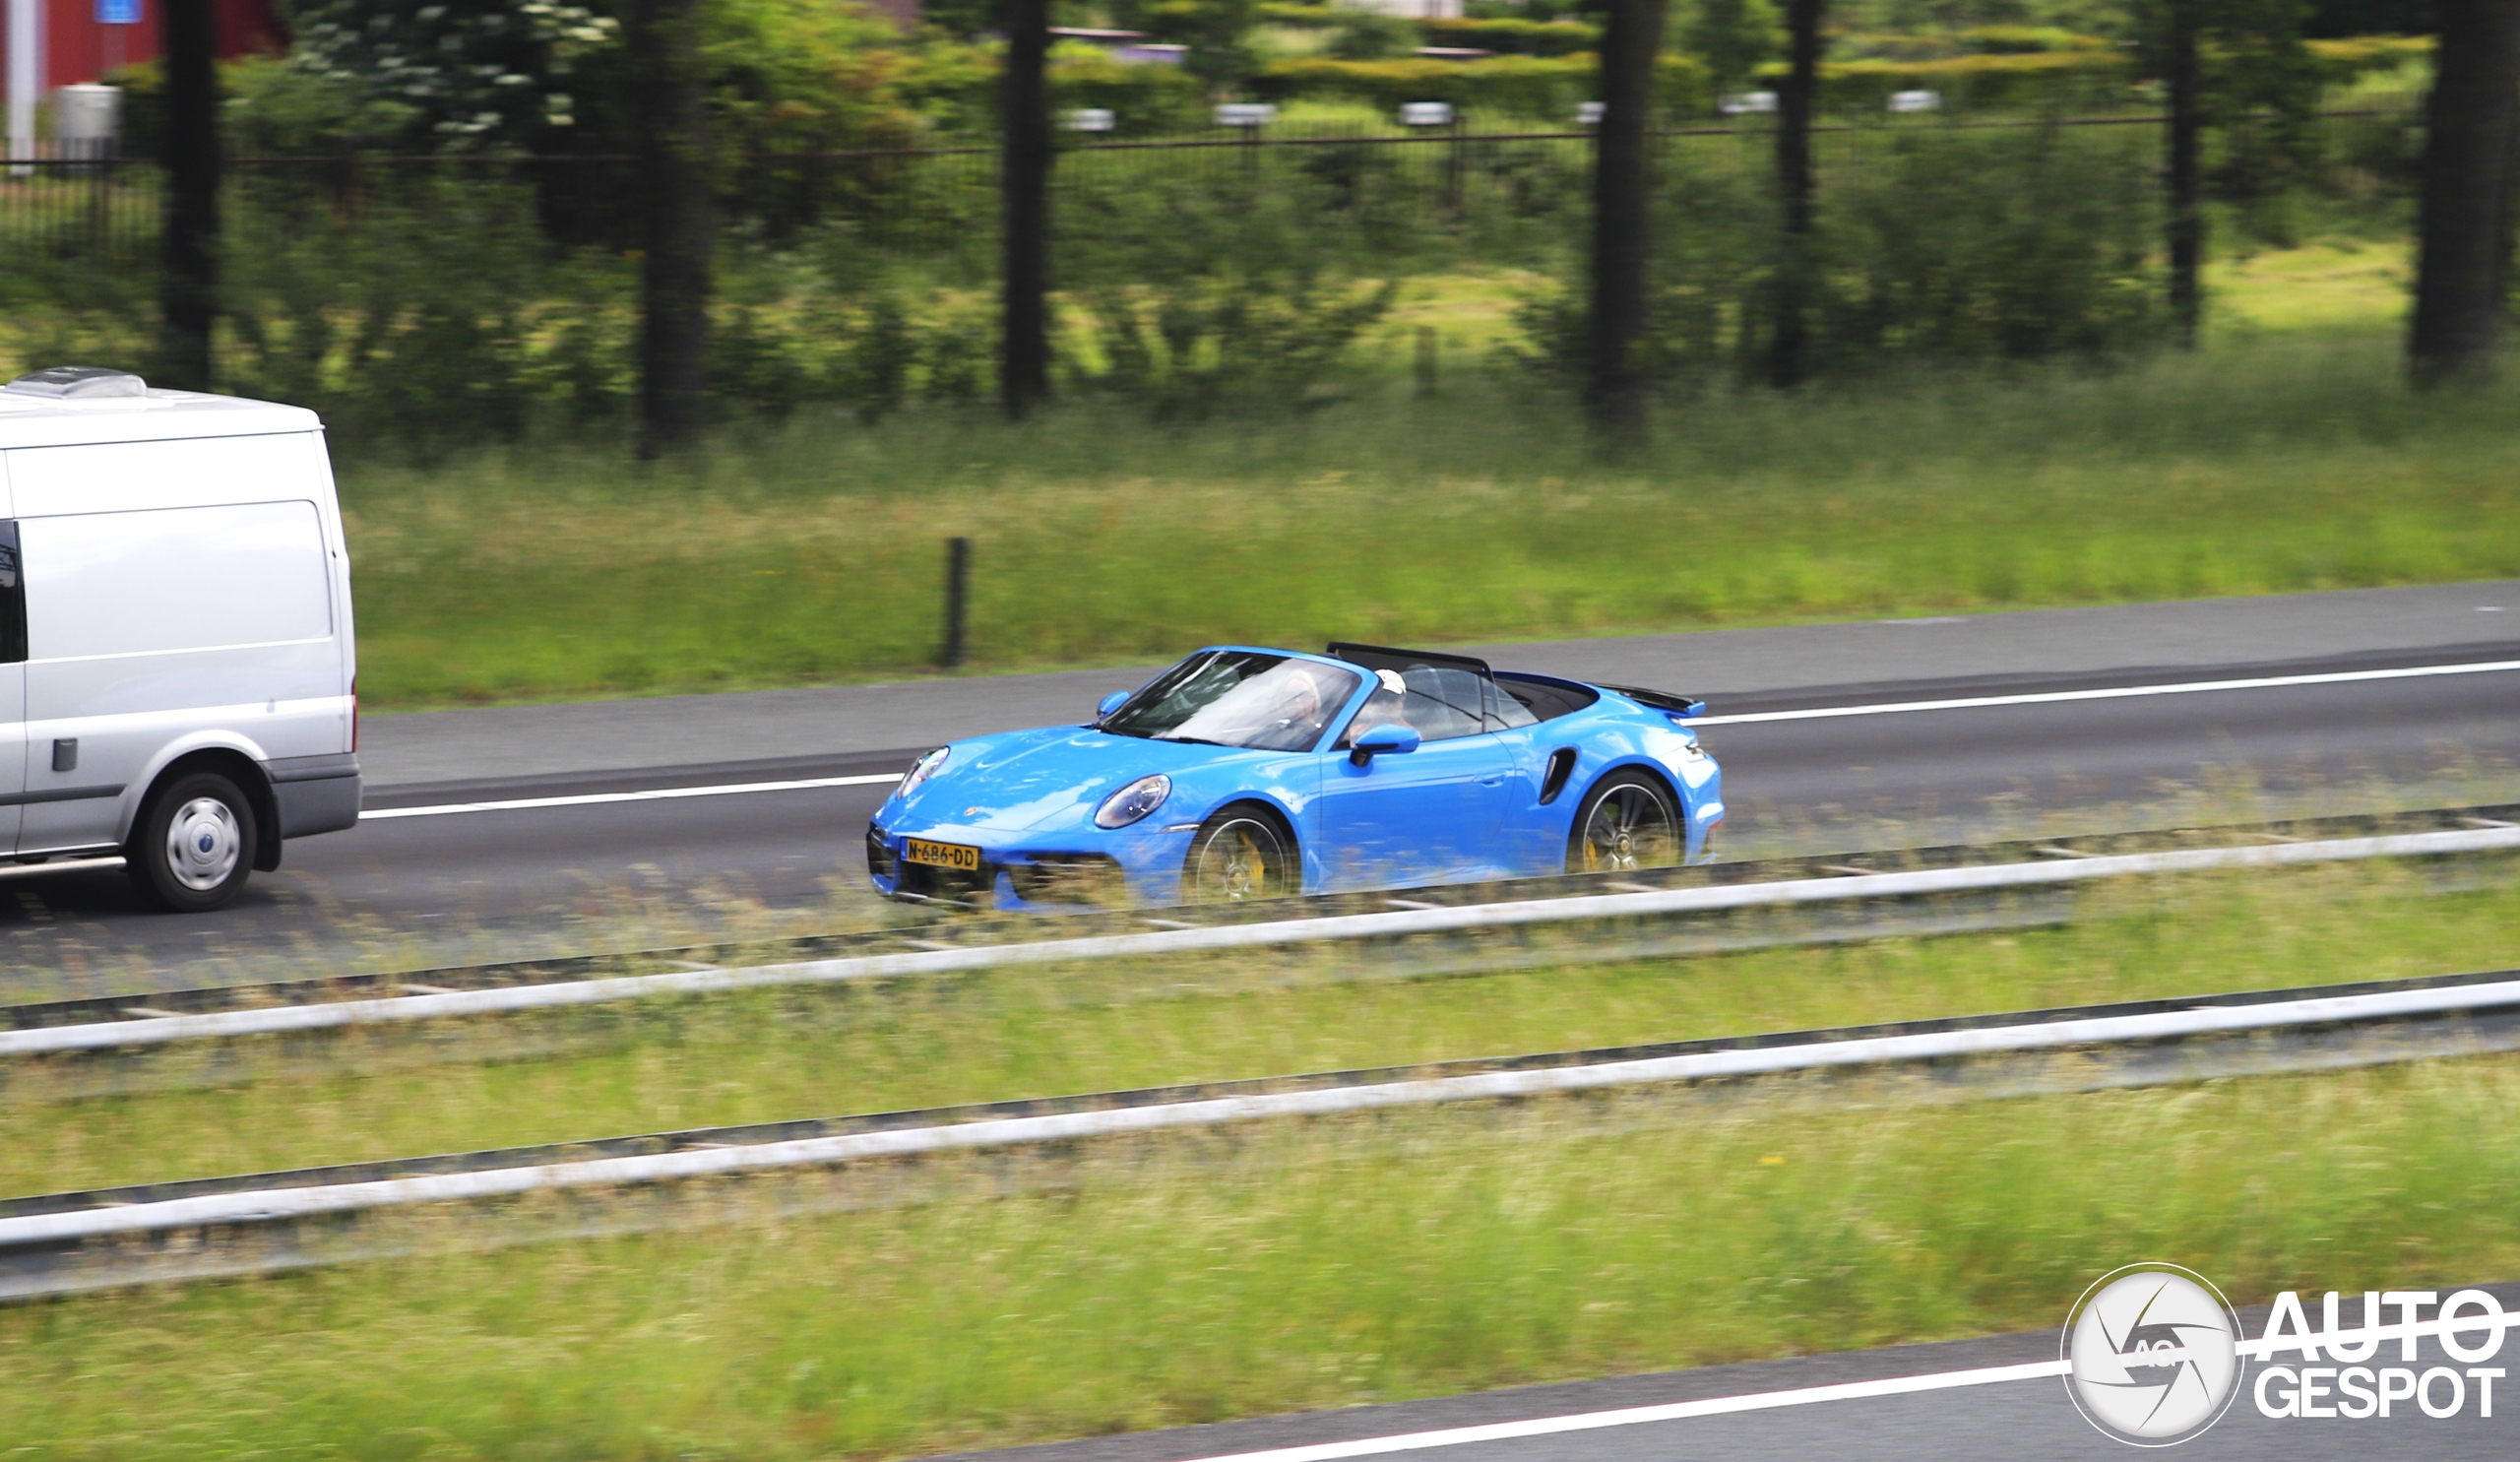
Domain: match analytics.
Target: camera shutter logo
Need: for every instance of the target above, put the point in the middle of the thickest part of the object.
(2153, 1354)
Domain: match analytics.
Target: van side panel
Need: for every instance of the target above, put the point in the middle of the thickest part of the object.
(157, 627)
(110, 585)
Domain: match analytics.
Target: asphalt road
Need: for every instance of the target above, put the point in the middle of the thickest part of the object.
(2014, 1418)
(410, 892)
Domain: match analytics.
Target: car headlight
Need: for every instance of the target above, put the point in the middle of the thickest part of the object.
(1133, 801)
(921, 770)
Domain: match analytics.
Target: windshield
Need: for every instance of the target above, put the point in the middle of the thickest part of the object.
(1238, 698)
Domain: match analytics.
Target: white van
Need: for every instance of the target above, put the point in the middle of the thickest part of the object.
(176, 653)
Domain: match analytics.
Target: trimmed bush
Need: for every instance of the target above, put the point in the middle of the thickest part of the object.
(1515, 36)
(1545, 87)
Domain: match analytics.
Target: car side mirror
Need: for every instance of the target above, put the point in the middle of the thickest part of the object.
(1110, 703)
(1691, 711)
(1386, 739)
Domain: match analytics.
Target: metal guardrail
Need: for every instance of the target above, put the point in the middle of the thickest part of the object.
(162, 1028)
(73, 1219)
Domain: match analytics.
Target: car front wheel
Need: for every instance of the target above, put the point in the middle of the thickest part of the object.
(1240, 855)
(194, 847)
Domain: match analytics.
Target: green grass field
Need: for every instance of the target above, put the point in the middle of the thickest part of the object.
(2285, 456)
(1319, 1265)
(996, 1300)
(786, 1054)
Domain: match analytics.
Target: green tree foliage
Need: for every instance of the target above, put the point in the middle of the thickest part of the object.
(1217, 33)
(465, 73)
(1733, 37)
(2261, 89)
(1371, 36)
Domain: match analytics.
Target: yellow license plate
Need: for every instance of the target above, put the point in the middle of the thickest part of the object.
(941, 854)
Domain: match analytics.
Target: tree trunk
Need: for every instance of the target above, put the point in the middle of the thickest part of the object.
(1789, 353)
(2463, 229)
(190, 301)
(679, 223)
(2186, 216)
(1623, 217)
(1024, 375)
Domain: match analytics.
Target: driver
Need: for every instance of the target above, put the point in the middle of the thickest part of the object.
(1298, 700)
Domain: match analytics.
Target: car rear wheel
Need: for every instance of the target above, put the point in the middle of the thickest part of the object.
(194, 846)
(1240, 854)
(1628, 821)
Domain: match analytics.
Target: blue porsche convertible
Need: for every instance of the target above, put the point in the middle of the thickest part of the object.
(1244, 773)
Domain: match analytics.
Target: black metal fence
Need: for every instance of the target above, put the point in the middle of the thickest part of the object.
(1513, 192)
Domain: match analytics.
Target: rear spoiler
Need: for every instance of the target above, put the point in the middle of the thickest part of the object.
(1669, 702)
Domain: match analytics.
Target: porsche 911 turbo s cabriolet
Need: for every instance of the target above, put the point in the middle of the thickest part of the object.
(1247, 773)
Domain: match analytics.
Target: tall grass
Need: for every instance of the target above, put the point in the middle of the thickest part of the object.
(1292, 1267)
(811, 553)
(227, 1108)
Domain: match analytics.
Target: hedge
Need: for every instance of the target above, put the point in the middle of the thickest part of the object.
(1538, 87)
(1986, 81)
(1515, 36)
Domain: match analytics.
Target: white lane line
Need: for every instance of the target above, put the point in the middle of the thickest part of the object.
(1677, 1411)
(659, 795)
(1906, 1386)
(1972, 703)
(2112, 693)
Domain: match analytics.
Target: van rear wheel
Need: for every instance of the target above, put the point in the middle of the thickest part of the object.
(194, 846)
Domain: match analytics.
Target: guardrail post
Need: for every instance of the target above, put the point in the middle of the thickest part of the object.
(958, 574)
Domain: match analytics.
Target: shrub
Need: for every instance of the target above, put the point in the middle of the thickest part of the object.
(1942, 246)
(1517, 86)
(1519, 37)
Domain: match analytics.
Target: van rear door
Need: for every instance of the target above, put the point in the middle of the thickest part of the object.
(12, 688)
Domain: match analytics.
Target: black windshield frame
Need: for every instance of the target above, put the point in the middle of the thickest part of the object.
(1292, 703)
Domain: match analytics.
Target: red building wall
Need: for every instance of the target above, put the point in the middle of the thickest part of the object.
(77, 48)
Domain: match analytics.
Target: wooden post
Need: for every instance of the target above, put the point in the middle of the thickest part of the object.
(957, 577)
(679, 223)
(190, 300)
(2463, 229)
(1622, 218)
(1024, 373)
(2186, 215)
(1788, 351)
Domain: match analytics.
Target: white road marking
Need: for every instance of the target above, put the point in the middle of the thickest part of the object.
(1681, 1411)
(1677, 1411)
(1972, 703)
(599, 798)
(2111, 693)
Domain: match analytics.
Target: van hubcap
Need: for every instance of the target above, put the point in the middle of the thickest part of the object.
(203, 844)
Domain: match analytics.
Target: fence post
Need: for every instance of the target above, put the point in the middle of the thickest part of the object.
(191, 151)
(1623, 217)
(1787, 361)
(2186, 216)
(1024, 369)
(958, 576)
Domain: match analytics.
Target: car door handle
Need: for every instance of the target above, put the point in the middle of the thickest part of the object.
(1493, 781)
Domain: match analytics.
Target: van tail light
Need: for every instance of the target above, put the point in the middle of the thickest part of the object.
(353, 714)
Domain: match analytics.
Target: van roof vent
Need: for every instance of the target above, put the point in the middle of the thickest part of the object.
(79, 383)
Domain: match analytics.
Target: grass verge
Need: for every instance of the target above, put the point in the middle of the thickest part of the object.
(210, 1110)
(811, 552)
(1292, 1267)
